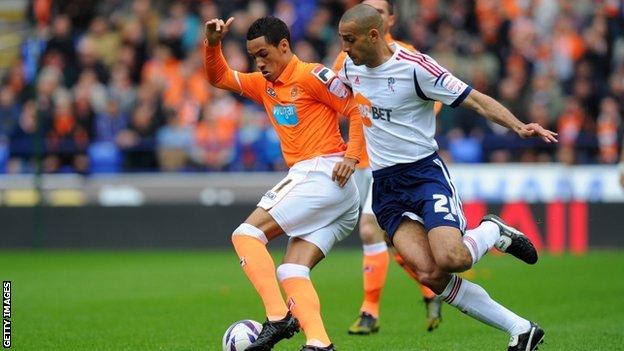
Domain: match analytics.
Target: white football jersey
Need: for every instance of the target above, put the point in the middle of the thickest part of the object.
(396, 101)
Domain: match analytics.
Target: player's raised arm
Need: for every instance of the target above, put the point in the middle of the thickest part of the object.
(496, 112)
(216, 29)
(218, 72)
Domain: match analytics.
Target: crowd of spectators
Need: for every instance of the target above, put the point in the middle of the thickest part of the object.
(116, 85)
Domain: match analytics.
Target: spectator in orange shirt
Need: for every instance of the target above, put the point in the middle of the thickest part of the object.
(165, 71)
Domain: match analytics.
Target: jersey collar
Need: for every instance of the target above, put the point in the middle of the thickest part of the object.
(288, 71)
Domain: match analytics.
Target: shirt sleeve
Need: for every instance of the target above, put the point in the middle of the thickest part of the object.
(330, 90)
(342, 75)
(433, 82)
(340, 59)
(219, 74)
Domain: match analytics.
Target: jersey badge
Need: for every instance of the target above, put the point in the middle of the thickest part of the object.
(357, 80)
(391, 82)
(294, 92)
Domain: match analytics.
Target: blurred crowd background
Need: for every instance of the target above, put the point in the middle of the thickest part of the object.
(92, 86)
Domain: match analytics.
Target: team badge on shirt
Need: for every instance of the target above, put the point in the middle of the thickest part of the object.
(391, 82)
(293, 92)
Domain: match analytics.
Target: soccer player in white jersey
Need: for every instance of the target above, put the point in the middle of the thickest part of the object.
(413, 197)
(375, 259)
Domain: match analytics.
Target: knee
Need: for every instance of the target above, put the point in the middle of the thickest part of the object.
(453, 262)
(370, 232)
(249, 230)
(434, 280)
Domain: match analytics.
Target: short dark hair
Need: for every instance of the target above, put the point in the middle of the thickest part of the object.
(271, 28)
(365, 18)
(390, 6)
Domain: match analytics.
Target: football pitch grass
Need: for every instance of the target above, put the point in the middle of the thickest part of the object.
(184, 300)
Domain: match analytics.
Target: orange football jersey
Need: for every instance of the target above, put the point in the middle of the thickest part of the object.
(302, 105)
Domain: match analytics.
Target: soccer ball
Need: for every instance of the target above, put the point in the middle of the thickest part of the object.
(240, 335)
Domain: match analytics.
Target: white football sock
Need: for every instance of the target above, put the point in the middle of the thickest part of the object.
(481, 239)
(375, 248)
(473, 300)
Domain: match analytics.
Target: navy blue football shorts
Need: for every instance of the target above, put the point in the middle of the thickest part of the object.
(421, 191)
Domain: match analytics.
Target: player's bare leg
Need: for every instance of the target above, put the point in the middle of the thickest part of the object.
(375, 270)
(303, 301)
(439, 253)
(250, 240)
(433, 303)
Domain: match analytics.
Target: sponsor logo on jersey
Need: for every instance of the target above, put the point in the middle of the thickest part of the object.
(375, 112)
(285, 115)
(364, 105)
(271, 92)
(323, 74)
(381, 113)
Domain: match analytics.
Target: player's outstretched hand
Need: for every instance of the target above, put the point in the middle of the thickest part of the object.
(535, 130)
(343, 171)
(216, 30)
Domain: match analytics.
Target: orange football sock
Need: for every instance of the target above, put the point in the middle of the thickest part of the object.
(426, 292)
(375, 268)
(306, 307)
(260, 269)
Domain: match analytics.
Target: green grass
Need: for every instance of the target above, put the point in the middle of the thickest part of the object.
(159, 300)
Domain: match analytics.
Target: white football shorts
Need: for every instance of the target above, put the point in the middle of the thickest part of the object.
(308, 205)
(364, 181)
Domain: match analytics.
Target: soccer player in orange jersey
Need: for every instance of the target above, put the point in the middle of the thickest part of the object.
(317, 203)
(376, 258)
